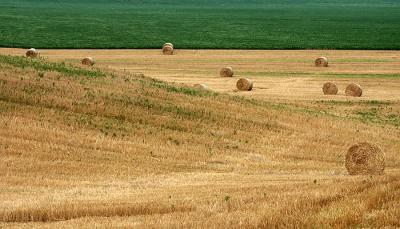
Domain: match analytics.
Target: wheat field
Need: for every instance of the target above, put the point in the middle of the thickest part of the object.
(128, 143)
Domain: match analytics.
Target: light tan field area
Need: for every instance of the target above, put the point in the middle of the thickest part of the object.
(110, 147)
(276, 74)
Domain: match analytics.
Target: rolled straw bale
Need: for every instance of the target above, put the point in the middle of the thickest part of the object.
(170, 44)
(244, 84)
(200, 87)
(354, 89)
(32, 53)
(321, 62)
(365, 159)
(330, 88)
(168, 49)
(226, 72)
(88, 61)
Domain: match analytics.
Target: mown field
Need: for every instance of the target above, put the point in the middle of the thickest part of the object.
(108, 147)
(205, 24)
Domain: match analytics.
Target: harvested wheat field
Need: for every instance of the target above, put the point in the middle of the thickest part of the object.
(131, 143)
(276, 74)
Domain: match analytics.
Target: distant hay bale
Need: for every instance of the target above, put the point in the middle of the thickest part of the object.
(330, 88)
(170, 44)
(365, 159)
(200, 87)
(354, 89)
(321, 62)
(226, 72)
(244, 84)
(168, 49)
(32, 53)
(89, 61)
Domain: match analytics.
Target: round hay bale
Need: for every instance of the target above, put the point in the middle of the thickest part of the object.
(89, 61)
(32, 53)
(244, 84)
(226, 72)
(200, 87)
(168, 49)
(330, 88)
(170, 44)
(321, 62)
(354, 89)
(365, 159)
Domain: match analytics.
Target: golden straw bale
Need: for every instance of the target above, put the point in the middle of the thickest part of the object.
(365, 159)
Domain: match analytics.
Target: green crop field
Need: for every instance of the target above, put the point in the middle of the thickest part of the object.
(216, 24)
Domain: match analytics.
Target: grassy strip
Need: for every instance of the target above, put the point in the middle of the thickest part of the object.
(40, 64)
(349, 102)
(175, 89)
(325, 75)
(350, 75)
(278, 60)
(372, 116)
(369, 116)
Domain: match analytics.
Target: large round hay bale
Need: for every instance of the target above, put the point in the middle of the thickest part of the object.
(365, 159)
(89, 61)
(168, 49)
(354, 89)
(330, 88)
(226, 72)
(321, 62)
(32, 53)
(200, 87)
(244, 84)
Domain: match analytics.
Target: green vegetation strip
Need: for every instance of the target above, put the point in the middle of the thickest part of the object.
(372, 115)
(322, 74)
(43, 65)
(201, 24)
(176, 89)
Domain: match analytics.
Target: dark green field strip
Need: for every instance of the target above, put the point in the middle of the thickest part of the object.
(218, 24)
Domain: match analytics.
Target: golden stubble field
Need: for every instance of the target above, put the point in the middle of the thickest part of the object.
(277, 74)
(126, 151)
